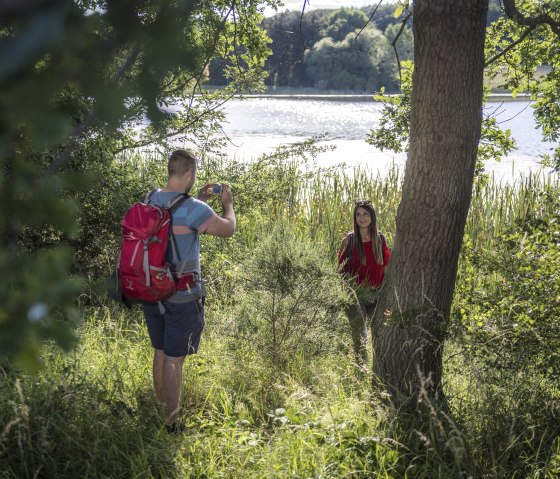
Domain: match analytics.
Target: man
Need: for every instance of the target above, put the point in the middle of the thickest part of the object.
(176, 324)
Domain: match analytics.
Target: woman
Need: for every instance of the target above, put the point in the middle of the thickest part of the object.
(364, 256)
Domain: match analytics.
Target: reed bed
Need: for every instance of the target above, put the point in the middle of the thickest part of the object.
(319, 201)
(325, 202)
(495, 206)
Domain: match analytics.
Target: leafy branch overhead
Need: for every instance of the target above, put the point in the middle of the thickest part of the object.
(533, 18)
(522, 56)
(77, 79)
(123, 60)
(394, 125)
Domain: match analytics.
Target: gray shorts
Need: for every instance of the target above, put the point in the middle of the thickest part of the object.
(177, 331)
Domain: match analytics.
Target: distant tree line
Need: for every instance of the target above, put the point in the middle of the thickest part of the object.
(335, 49)
(332, 49)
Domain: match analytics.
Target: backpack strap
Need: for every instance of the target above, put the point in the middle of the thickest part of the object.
(171, 208)
(177, 202)
(148, 196)
(173, 205)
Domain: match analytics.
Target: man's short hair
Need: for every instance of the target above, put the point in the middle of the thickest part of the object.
(180, 161)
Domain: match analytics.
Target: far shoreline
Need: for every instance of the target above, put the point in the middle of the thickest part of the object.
(493, 97)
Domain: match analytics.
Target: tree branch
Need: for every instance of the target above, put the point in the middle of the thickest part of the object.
(511, 11)
(89, 121)
(510, 46)
(132, 57)
(394, 43)
(368, 22)
(188, 123)
(305, 47)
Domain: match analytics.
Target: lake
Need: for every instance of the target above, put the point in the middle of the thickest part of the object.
(258, 125)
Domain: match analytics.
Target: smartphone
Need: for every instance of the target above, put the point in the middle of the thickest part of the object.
(217, 189)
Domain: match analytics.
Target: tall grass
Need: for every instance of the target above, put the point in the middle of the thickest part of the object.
(496, 205)
(321, 200)
(324, 201)
(92, 413)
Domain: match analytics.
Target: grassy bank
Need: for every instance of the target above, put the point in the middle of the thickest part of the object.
(262, 404)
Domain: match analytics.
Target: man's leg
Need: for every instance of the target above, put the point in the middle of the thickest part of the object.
(159, 358)
(156, 329)
(183, 327)
(172, 380)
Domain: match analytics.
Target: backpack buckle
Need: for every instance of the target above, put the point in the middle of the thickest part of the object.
(185, 281)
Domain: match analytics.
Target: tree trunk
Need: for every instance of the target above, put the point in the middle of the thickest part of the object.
(411, 319)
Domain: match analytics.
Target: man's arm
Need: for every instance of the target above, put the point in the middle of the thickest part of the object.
(223, 226)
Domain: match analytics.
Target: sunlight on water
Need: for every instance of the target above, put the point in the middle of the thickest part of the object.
(258, 125)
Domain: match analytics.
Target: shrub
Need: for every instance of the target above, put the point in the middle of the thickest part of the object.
(510, 304)
(290, 297)
(505, 323)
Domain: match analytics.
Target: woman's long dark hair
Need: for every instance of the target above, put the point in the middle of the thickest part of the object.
(376, 243)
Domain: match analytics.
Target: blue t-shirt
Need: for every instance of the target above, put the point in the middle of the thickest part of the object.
(188, 221)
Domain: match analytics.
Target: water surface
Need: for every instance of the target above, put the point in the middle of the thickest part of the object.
(259, 125)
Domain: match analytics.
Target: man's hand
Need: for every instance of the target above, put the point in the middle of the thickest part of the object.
(223, 226)
(226, 196)
(206, 192)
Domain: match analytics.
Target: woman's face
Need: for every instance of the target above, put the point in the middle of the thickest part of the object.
(363, 218)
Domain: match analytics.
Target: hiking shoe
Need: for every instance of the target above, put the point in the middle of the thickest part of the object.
(175, 427)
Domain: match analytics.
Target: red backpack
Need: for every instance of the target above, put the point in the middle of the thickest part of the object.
(143, 271)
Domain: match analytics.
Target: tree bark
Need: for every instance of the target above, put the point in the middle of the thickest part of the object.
(411, 319)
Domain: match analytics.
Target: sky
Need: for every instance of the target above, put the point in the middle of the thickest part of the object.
(297, 5)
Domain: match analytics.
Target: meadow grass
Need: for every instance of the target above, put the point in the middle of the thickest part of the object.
(92, 412)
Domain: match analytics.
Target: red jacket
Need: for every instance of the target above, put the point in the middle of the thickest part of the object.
(369, 273)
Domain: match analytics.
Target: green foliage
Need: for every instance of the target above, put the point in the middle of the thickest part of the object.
(506, 418)
(523, 52)
(93, 207)
(405, 42)
(76, 80)
(394, 126)
(35, 290)
(301, 410)
(509, 315)
(494, 144)
(293, 36)
(505, 330)
(385, 15)
(292, 297)
(357, 62)
(343, 21)
(93, 413)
